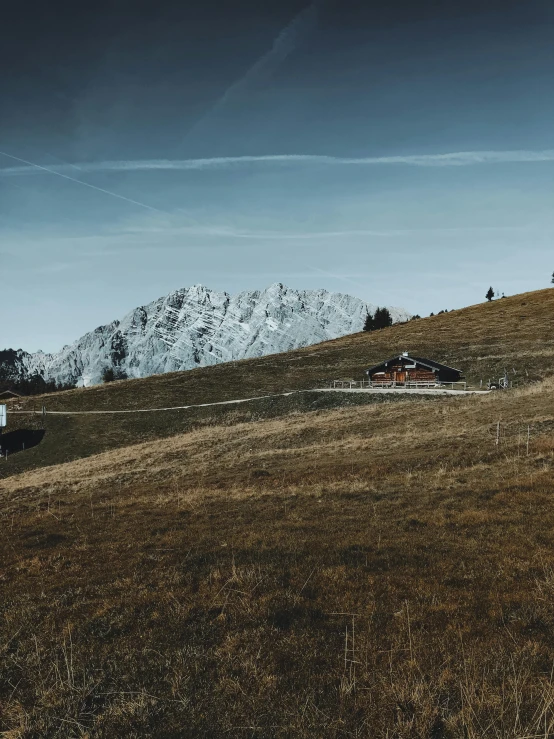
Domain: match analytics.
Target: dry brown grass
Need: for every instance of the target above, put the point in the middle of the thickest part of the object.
(381, 571)
(514, 333)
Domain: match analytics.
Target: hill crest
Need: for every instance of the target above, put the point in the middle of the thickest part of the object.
(198, 327)
(514, 334)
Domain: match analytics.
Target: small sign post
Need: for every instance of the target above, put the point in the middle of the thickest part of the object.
(3, 417)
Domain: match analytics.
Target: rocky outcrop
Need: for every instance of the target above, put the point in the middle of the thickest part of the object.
(196, 327)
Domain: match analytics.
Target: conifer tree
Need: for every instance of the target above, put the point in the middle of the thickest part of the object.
(109, 375)
(382, 318)
(490, 294)
(369, 324)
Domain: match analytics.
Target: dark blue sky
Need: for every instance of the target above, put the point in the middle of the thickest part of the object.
(364, 96)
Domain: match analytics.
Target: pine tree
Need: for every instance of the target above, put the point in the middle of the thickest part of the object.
(109, 375)
(490, 294)
(552, 281)
(369, 324)
(114, 373)
(382, 318)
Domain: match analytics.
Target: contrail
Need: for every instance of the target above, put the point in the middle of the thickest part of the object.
(285, 43)
(34, 167)
(67, 164)
(449, 159)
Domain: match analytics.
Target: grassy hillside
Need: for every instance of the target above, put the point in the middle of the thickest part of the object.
(382, 571)
(67, 438)
(515, 334)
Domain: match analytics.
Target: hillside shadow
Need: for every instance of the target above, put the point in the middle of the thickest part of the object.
(20, 440)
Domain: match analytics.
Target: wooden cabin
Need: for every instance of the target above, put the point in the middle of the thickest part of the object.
(404, 369)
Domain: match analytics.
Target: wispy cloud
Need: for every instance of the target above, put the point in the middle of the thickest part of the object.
(287, 41)
(449, 159)
(229, 232)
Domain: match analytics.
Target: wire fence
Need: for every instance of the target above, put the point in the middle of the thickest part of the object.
(409, 384)
(519, 437)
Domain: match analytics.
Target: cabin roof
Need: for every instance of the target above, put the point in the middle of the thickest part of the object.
(430, 363)
(10, 393)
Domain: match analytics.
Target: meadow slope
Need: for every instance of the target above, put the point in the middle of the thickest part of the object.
(383, 570)
(513, 334)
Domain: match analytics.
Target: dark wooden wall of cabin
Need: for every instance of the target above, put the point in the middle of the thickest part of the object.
(419, 374)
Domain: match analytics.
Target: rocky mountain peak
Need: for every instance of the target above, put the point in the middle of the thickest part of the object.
(196, 326)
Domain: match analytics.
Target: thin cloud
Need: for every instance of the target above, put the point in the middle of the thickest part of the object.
(288, 40)
(216, 231)
(449, 159)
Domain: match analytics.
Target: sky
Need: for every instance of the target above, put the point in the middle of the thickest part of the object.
(401, 152)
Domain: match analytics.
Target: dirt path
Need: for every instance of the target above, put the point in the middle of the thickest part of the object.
(368, 391)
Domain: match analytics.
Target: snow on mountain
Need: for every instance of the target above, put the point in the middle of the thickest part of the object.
(196, 327)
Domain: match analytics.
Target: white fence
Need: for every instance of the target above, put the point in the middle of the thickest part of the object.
(368, 384)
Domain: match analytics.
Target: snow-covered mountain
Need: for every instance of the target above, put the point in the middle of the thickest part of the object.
(195, 327)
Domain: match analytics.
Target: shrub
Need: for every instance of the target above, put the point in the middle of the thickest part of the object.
(114, 373)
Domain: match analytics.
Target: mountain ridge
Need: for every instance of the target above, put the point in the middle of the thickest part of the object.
(197, 327)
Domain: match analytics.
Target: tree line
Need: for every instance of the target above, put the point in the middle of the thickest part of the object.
(34, 385)
(381, 319)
